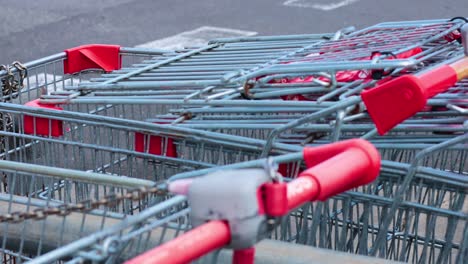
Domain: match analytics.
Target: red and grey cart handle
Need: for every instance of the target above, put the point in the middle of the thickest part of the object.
(393, 102)
(332, 169)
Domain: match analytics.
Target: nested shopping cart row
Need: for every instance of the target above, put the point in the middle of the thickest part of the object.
(329, 105)
(235, 101)
(345, 56)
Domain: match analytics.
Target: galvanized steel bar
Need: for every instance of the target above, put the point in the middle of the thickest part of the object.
(90, 177)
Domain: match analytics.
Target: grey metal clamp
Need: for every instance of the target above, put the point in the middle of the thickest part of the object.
(232, 196)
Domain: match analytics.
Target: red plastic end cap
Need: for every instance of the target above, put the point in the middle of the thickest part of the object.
(392, 102)
(342, 166)
(94, 56)
(40, 125)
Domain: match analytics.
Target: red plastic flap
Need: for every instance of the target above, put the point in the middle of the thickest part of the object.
(289, 170)
(40, 125)
(244, 256)
(94, 56)
(155, 145)
(394, 101)
(36, 103)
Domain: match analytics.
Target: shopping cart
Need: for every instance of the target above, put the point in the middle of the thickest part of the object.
(218, 70)
(42, 138)
(412, 43)
(24, 82)
(322, 126)
(423, 44)
(425, 207)
(58, 206)
(93, 157)
(405, 215)
(89, 138)
(331, 104)
(236, 61)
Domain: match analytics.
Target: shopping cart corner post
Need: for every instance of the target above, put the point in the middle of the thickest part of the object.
(464, 35)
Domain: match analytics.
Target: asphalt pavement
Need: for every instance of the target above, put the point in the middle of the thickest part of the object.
(33, 29)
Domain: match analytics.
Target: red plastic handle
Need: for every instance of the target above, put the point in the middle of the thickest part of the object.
(333, 169)
(394, 101)
(189, 246)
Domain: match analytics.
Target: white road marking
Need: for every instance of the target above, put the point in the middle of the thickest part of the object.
(197, 37)
(319, 6)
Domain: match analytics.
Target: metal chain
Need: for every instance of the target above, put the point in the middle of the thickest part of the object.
(7, 81)
(81, 207)
(10, 85)
(23, 73)
(6, 124)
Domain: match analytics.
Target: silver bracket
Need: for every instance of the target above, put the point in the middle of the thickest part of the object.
(464, 35)
(231, 195)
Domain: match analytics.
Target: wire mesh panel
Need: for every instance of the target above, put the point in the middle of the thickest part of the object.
(117, 146)
(428, 227)
(44, 208)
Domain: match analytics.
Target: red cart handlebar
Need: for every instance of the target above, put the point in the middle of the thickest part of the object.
(334, 168)
(394, 101)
